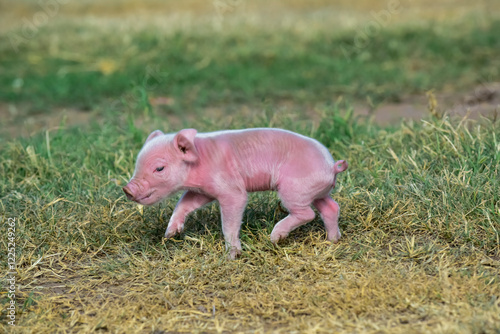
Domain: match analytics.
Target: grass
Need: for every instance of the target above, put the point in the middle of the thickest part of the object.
(420, 206)
(420, 247)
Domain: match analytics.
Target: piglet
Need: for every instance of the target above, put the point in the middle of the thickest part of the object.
(226, 165)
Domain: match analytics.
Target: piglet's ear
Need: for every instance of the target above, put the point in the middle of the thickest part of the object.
(154, 134)
(184, 143)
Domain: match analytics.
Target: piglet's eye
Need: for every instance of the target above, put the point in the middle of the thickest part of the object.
(159, 169)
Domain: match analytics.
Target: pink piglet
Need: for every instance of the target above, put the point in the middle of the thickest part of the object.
(226, 165)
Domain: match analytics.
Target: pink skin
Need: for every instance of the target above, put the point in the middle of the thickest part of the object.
(225, 165)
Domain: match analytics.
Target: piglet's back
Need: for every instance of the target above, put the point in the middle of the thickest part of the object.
(263, 144)
(263, 155)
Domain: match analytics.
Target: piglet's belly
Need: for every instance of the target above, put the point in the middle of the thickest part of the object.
(260, 181)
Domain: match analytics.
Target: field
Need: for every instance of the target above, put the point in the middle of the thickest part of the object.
(409, 96)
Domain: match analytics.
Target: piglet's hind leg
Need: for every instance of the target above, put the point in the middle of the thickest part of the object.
(329, 210)
(298, 216)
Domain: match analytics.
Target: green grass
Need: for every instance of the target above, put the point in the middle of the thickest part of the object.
(419, 216)
(80, 66)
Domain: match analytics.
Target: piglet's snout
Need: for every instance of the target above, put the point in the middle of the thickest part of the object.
(129, 192)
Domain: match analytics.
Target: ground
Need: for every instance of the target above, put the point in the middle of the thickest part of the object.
(406, 91)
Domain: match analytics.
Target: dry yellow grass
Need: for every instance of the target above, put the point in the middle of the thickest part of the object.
(367, 283)
(297, 15)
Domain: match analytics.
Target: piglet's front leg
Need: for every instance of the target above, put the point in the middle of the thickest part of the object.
(232, 208)
(189, 202)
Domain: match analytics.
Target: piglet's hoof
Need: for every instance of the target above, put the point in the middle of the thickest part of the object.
(335, 238)
(234, 253)
(171, 232)
(276, 237)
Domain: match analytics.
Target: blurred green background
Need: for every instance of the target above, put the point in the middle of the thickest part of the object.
(78, 60)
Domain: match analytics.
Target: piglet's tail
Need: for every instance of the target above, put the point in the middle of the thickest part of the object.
(340, 166)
